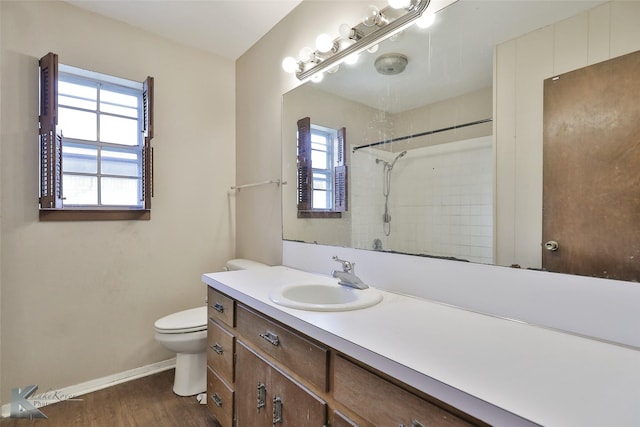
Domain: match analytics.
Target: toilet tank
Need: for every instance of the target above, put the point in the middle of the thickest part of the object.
(243, 264)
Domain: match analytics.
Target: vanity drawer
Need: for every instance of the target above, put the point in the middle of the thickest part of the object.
(305, 358)
(219, 399)
(382, 402)
(220, 350)
(221, 307)
(341, 420)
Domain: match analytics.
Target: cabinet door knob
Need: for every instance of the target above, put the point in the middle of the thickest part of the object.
(217, 400)
(217, 348)
(271, 338)
(218, 307)
(277, 410)
(262, 396)
(414, 423)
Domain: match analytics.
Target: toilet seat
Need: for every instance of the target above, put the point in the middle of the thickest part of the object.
(192, 320)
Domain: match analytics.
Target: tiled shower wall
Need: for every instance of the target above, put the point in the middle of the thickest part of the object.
(441, 200)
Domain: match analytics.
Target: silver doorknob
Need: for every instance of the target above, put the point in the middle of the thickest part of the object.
(551, 245)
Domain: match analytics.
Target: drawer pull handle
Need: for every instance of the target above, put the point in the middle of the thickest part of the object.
(217, 348)
(277, 410)
(262, 396)
(217, 400)
(219, 308)
(414, 423)
(271, 337)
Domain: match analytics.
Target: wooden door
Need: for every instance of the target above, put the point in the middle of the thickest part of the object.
(267, 397)
(591, 178)
(297, 405)
(253, 407)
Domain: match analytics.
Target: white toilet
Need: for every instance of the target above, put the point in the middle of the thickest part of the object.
(185, 333)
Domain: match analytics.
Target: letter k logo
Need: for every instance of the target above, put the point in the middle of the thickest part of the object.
(21, 407)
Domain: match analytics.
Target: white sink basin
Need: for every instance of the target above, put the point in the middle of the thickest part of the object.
(324, 297)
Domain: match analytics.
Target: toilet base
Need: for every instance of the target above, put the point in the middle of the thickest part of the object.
(191, 374)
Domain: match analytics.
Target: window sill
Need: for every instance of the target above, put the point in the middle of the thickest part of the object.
(319, 214)
(93, 215)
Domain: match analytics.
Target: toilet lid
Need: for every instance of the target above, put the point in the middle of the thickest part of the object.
(194, 319)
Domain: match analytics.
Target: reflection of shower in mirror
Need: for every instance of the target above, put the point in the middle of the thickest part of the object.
(386, 190)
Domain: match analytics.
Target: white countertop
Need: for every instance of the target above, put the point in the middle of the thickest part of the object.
(501, 371)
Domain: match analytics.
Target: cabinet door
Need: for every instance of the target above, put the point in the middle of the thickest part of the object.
(252, 403)
(267, 397)
(383, 403)
(220, 401)
(294, 405)
(220, 350)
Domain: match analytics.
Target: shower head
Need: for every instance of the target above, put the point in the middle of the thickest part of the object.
(396, 159)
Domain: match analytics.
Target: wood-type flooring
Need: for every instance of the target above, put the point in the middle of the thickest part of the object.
(147, 401)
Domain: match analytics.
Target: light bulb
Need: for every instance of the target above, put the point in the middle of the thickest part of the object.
(289, 64)
(399, 4)
(324, 43)
(317, 78)
(374, 48)
(372, 17)
(426, 20)
(333, 69)
(346, 31)
(305, 54)
(352, 59)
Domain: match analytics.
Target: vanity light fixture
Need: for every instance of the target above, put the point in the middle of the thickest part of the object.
(399, 4)
(375, 27)
(426, 20)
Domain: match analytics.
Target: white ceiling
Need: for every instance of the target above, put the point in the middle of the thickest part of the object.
(455, 58)
(227, 28)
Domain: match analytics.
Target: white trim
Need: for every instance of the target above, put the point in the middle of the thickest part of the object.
(98, 384)
(119, 81)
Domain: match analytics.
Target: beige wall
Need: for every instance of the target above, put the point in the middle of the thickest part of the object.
(470, 107)
(334, 112)
(521, 65)
(1, 85)
(85, 307)
(260, 86)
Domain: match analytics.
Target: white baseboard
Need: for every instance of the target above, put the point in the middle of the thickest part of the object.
(76, 390)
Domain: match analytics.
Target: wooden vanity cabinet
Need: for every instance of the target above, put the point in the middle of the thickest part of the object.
(221, 308)
(263, 373)
(220, 356)
(270, 397)
(341, 420)
(220, 398)
(381, 402)
(292, 350)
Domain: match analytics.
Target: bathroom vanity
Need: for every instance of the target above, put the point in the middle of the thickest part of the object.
(405, 361)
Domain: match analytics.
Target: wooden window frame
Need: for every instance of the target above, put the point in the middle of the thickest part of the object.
(305, 175)
(51, 204)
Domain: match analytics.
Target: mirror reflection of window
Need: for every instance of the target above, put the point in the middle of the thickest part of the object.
(322, 172)
(322, 140)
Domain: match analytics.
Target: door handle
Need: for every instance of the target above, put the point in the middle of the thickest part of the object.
(551, 245)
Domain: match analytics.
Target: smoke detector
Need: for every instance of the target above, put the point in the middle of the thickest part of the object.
(391, 64)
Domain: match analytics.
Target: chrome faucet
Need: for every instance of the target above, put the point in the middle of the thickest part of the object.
(347, 275)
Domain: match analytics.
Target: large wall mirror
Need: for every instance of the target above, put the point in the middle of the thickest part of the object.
(426, 175)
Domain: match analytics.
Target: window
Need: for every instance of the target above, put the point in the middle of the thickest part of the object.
(95, 137)
(322, 166)
(322, 173)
